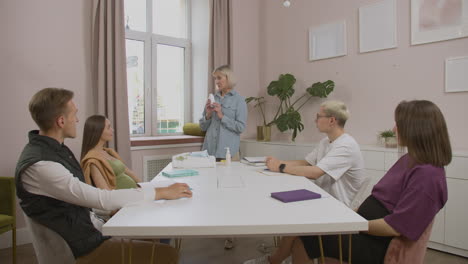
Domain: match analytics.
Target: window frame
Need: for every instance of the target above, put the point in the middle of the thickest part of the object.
(150, 41)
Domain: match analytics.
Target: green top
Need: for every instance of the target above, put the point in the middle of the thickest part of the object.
(122, 180)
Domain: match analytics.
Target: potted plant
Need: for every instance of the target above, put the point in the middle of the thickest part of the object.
(287, 116)
(389, 138)
(263, 131)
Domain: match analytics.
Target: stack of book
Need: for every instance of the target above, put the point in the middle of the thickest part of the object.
(254, 161)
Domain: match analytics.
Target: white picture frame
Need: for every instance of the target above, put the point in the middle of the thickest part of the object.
(438, 20)
(377, 26)
(327, 41)
(456, 74)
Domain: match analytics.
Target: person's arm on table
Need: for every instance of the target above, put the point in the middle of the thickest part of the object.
(295, 167)
(53, 180)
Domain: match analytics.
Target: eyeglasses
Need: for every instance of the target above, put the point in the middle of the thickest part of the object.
(320, 116)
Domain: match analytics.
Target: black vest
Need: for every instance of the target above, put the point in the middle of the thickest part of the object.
(71, 222)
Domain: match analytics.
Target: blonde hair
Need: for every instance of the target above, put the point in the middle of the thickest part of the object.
(226, 71)
(336, 109)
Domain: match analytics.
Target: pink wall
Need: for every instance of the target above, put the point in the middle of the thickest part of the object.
(371, 84)
(245, 54)
(40, 48)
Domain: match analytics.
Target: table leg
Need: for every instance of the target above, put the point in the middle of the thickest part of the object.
(340, 249)
(122, 249)
(178, 243)
(349, 249)
(276, 240)
(130, 251)
(152, 251)
(322, 255)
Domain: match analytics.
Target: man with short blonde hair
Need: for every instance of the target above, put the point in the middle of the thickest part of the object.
(336, 163)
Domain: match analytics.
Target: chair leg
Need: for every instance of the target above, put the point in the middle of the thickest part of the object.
(178, 243)
(13, 232)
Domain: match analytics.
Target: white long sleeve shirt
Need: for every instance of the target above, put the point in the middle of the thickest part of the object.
(53, 180)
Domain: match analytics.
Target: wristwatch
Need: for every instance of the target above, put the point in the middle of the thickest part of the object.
(281, 167)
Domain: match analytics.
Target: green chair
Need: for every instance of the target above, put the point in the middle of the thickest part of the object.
(8, 210)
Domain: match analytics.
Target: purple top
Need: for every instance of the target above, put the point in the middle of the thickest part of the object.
(412, 195)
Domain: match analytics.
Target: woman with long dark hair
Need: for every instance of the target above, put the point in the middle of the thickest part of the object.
(103, 167)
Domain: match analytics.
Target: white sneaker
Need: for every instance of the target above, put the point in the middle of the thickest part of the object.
(261, 260)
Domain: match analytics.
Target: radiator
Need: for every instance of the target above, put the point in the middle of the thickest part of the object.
(152, 165)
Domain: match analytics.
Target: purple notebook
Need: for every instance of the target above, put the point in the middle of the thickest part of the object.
(296, 195)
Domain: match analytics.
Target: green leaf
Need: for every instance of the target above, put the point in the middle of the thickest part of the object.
(249, 99)
(320, 89)
(283, 87)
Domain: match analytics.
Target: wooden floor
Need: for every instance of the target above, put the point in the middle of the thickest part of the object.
(206, 251)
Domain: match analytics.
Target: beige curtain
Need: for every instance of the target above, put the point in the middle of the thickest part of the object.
(109, 70)
(220, 37)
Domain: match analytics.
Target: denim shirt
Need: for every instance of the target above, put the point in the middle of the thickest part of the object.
(222, 133)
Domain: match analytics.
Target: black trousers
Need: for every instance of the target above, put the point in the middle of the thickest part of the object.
(365, 249)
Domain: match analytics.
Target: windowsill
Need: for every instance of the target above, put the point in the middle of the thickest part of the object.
(164, 140)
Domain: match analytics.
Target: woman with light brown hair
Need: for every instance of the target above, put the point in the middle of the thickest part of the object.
(103, 167)
(403, 203)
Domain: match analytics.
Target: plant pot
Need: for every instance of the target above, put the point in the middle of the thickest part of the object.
(263, 133)
(390, 142)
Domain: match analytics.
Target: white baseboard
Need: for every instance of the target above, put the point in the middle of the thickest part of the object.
(22, 237)
(449, 249)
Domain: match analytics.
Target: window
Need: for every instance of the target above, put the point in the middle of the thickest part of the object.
(158, 50)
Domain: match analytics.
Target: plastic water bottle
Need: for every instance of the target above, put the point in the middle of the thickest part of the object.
(228, 157)
(212, 100)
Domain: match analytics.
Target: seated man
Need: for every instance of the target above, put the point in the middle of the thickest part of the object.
(50, 184)
(336, 163)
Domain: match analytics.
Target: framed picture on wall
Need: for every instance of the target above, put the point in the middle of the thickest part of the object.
(456, 79)
(437, 20)
(327, 41)
(377, 26)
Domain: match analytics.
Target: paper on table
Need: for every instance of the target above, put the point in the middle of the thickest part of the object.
(270, 173)
(255, 159)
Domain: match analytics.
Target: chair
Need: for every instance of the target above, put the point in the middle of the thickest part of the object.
(361, 194)
(402, 250)
(49, 246)
(8, 210)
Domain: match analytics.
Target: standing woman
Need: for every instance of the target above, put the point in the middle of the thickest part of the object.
(225, 119)
(103, 167)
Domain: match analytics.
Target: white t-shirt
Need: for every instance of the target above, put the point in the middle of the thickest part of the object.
(343, 165)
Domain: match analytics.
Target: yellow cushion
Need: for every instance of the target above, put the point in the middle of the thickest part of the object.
(5, 223)
(193, 129)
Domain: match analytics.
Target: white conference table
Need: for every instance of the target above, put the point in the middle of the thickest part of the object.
(235, 201)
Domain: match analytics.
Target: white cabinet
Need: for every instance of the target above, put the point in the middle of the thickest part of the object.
(449, 232)
(438, 228)
(456, 214)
